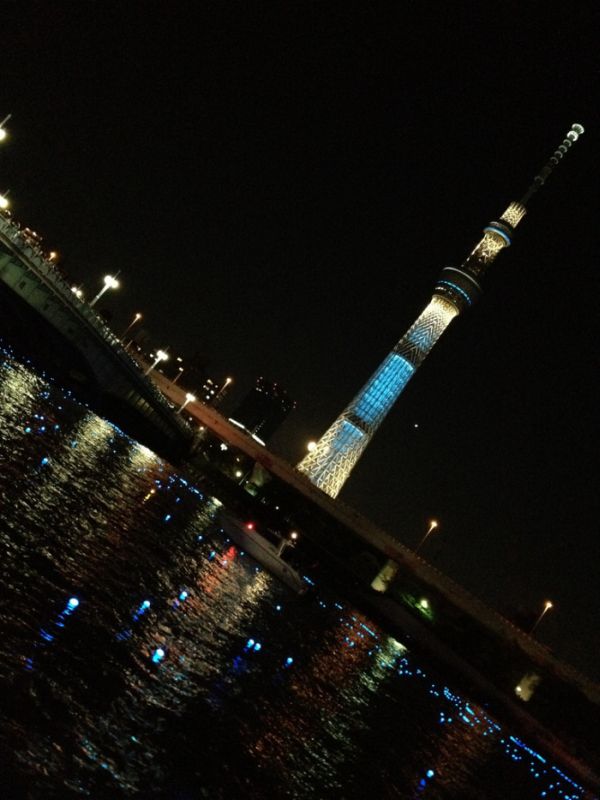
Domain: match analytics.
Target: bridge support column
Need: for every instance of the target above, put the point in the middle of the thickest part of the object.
(384, 578)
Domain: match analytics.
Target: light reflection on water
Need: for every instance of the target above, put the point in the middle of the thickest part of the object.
(143, 656)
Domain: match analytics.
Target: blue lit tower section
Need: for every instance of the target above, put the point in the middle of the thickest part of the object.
(330, 463)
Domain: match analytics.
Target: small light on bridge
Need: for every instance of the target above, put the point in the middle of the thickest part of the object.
(3, 131)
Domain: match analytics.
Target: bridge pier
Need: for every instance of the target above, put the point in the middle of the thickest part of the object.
(385, 577)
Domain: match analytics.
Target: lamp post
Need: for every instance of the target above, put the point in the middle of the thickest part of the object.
(109, 283)
(287, 542)
(160, 356)
(221, 393)
(176, 378)
(189, 398)
(136, 318)
(3, 131)
(432, 526)
(547, 606)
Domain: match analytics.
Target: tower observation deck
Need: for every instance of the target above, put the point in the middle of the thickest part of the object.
(330, 463)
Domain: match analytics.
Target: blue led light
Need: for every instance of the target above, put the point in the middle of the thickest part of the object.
(499, 231)
(28, 429)
(158, 655)
(249, 644)
(383, 389)
(44, 461)
(167, 517)
(257, 646)
(430, 773)
(458, 289)
(289, 661)
(183, 595)
(73, 603)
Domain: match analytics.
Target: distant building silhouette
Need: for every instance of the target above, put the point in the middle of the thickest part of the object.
(263, 409)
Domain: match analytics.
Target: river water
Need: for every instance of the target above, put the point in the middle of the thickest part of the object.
(143, 655)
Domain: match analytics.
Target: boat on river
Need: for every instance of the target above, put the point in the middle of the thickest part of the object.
(267, 554)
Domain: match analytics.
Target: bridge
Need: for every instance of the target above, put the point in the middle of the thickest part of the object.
(388, 547)
(30, 274)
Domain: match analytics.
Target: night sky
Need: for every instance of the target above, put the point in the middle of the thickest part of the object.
(280, 185)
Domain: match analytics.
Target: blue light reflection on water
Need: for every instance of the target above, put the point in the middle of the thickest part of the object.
(226, 685)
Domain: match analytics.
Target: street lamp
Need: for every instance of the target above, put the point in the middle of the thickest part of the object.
(547, 607)
(179, 374)
(136, 318)
(160, 356)
(109, 283)
(432, 526)
(77, 291)
(4, 202)
(287, 542)
(221, 393)
(311, 447)
(189, 398)
(3, 131)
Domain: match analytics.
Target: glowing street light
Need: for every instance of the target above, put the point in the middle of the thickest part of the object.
(179, 374)
(432, 526)
(286, 542)
(221, 393)
(4, 202)
(77, 291)
(109, 283)
(3, 131)
(160, 356)
(136, 318)
(547, 606)
(189, 398)
(311, 446)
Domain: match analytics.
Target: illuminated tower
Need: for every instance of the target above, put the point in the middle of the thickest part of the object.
(330, 463)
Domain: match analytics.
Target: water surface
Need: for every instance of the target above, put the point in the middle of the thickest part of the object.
(143, 655)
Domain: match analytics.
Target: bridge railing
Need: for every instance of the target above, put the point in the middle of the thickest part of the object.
(45, 270)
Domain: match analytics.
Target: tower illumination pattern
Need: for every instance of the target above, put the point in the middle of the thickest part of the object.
(330, 463)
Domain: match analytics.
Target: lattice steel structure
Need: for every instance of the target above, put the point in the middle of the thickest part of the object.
(329, 465)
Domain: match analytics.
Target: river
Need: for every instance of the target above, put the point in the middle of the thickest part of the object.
(143, 655)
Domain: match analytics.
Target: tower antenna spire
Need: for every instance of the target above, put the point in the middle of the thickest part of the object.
(550, 165)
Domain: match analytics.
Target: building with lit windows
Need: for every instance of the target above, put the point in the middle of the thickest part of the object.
(263, 409)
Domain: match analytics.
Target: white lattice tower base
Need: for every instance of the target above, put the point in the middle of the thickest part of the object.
(329, 465)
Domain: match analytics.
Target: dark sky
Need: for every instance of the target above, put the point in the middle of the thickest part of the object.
(279, 186)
